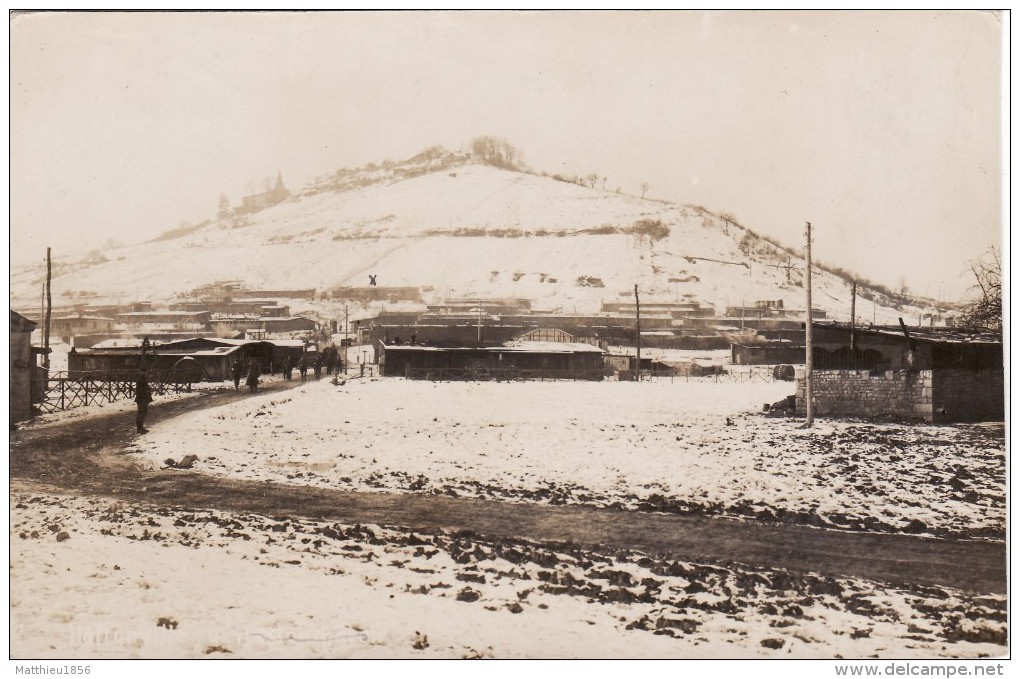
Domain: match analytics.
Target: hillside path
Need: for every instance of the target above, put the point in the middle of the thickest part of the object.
(88, 456)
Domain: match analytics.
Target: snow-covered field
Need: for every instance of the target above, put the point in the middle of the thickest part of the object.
(93, 578)
(680, 446)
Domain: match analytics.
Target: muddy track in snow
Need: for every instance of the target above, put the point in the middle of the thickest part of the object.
(87, 456)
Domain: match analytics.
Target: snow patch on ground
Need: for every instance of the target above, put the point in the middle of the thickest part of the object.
(94, 578)
(676, 446)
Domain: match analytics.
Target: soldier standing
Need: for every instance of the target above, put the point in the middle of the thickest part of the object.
(143, 397)
(236, 370)
(253, 375)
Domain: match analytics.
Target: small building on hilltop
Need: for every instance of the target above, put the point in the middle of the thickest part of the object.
(930, 374)
(254, 202)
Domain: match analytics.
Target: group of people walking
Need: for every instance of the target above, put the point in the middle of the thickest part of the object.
(250, 370)
(329, 360)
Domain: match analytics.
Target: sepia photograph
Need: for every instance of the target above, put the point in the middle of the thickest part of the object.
(544, 335)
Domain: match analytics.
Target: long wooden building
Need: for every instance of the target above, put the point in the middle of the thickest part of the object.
(204, 358)
(525, 360)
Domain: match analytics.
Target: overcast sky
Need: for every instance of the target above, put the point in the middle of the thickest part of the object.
(881, 128)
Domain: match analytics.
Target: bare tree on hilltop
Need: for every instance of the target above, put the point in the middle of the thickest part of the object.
(728, 221)
(985, 313)
(497, 152)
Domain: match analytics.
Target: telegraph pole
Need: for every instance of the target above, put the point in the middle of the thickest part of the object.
(346, 342)
(637, 306)
(808, 392)
(479, 322)
(49, 311)
(853, 326)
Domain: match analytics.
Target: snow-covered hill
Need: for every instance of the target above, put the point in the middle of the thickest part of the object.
(459, 230)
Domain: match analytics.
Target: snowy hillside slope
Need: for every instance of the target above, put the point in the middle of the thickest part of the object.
(466, 230)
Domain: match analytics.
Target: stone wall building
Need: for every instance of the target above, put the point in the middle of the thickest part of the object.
(930, 374)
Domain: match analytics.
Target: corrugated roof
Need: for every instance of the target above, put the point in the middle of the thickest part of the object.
(553, 347)
(125, 342)
(162, 312)
(83, 318)
(218, 351)
(920, 334)
(521, 347)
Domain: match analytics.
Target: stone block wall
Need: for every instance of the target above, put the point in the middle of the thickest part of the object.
(968, 396)
(858, 393)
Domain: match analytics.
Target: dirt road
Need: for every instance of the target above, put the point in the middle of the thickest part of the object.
(87, 456)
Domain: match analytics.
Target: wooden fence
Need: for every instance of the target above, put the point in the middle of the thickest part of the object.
(61, 391)
(523, 375)
(743, 377)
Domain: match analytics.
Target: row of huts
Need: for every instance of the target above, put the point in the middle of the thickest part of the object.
(179, 321)
(193, 359)
(687, 324)
(936, 375)
(931, 374)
